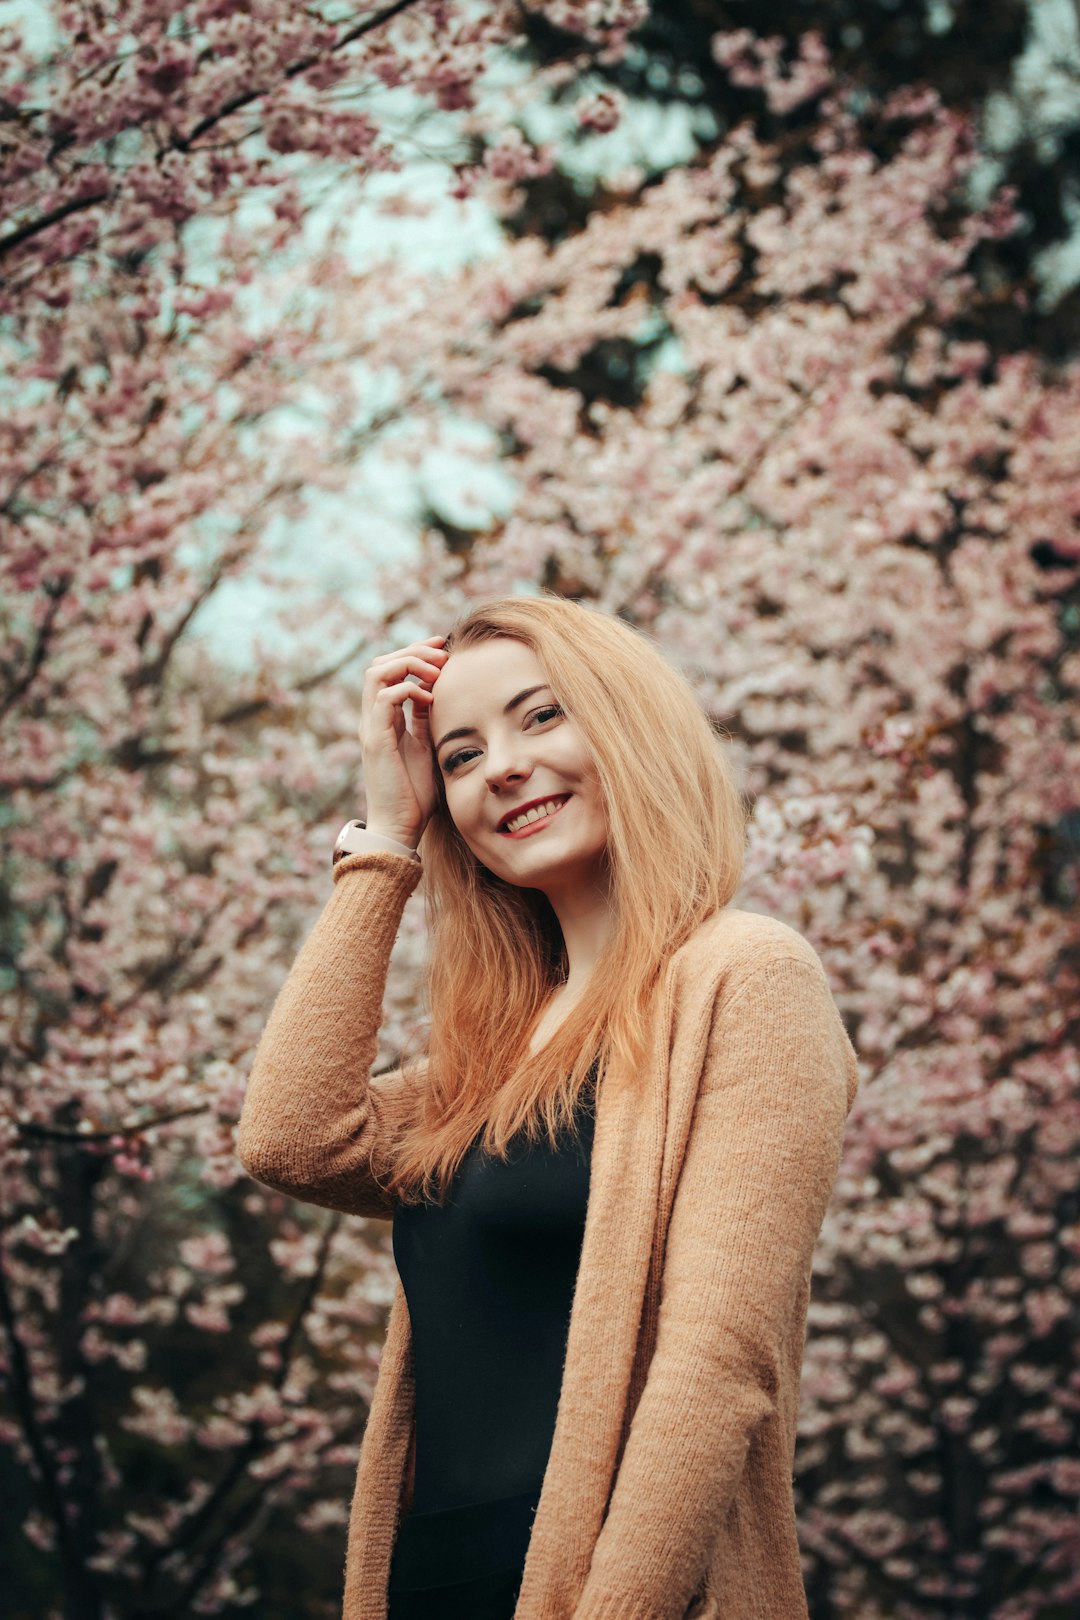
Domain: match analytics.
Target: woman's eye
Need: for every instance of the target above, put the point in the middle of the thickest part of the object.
(549, 711)
(546, 712)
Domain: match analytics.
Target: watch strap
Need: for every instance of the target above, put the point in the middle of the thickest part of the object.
(354, 839)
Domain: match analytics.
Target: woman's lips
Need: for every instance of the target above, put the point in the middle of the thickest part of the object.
(539, 824)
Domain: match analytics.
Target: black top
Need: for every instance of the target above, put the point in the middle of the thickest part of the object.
(489, 1280)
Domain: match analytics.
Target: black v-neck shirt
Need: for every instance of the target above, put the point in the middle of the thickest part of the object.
(489, 1281)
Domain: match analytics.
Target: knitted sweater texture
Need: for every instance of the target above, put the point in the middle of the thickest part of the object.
(667, 1494)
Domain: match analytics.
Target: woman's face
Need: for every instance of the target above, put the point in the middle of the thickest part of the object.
(503, 747)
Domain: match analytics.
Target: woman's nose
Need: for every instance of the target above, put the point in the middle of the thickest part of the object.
(505, 769)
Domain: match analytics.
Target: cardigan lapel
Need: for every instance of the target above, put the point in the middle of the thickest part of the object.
(380, 1476)
(642, 1125)
(620, 1223)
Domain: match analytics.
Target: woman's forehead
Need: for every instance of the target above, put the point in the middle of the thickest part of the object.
(479, 673)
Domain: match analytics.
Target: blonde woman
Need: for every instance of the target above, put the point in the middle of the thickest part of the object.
(608, 1171)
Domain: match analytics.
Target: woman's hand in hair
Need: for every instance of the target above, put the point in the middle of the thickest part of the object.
(399, 767)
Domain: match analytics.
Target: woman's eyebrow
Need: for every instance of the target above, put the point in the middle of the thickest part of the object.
(469, 731)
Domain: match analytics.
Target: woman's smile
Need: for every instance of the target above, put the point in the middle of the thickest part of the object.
(541, 815)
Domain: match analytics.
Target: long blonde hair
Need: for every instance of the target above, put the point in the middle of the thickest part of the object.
(676, 835)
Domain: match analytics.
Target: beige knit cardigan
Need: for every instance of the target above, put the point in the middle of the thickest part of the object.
(667, 1493)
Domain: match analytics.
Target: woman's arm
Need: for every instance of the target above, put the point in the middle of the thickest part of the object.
(314, 1123)
(760, 1163)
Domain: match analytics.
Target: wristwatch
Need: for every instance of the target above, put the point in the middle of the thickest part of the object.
(354, 839)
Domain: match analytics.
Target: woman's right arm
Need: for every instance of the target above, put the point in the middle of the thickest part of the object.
(314, 1123)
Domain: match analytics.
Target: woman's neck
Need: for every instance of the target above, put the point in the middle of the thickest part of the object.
(586, 918)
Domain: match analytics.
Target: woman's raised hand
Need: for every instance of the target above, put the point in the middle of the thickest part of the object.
(399, 771)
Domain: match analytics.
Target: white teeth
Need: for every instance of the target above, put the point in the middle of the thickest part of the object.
(546, 809)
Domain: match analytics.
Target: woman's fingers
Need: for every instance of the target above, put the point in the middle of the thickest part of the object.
(398, 771)
(382, 714)
(392, 698)
(392, 681)
(396, 677)
(397, 665)
(402, 690)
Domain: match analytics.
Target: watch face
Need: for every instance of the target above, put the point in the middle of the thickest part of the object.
(341, 845)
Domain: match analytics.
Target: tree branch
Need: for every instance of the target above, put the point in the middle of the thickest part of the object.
(33, 1131)
(212, 1510)
(291, 72)
(75, 205)
(33, 227)
(56, 590)
(254, 706)
(22, 1393)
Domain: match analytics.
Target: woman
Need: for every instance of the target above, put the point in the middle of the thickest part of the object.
(608, 1172)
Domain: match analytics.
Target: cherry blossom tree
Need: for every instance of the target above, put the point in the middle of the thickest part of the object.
(1012, 66)
(185, 1358)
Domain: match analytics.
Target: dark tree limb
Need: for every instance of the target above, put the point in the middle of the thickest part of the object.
(22, 1396)
(217, 1510)
(75, 205)
(32, 1131)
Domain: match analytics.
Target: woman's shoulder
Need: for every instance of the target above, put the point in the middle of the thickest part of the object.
(734, 944)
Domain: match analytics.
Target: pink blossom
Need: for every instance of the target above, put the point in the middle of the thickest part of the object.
(209, 1252)
(600, 114)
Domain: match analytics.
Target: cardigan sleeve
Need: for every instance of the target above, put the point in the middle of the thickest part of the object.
(758, 1172)
(314, 1123)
